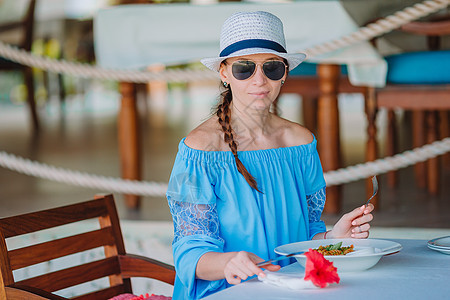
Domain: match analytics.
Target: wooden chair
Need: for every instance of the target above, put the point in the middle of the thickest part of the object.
(26, 26)
(117, 265)
(429, 101)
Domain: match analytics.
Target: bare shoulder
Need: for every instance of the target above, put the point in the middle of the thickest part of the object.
(294, 134)
(206, 137)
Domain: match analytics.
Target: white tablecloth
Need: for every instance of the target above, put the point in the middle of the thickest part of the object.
(416, 272)
(136, 36)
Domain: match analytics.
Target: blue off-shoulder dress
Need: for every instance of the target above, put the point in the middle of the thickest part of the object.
(215, 209)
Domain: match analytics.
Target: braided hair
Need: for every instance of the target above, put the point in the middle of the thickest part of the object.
(223, 113)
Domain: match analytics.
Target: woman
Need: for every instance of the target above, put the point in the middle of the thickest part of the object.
(232, 208)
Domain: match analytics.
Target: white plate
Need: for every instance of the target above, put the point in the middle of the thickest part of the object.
(437, 247)
(445, 251)
(345, 263)
(441, 244)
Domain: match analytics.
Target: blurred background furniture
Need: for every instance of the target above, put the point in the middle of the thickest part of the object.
(26, 27)
(306, 82)
(418, 82)
(116, 264)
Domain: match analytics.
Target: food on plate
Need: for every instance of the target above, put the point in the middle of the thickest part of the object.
(335, 249)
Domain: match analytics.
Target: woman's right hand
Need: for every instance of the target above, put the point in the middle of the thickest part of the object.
(242, 265)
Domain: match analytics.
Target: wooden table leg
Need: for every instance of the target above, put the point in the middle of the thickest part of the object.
(433, 163)
(129, 140)
(328, 129)
(309, 108)
(391, 146)
(372, 145)
(31, 100)
(444, 131)
(418, 140)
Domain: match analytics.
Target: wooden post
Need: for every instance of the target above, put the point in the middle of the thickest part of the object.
(372, 145)
(328, 129)
(129, 140)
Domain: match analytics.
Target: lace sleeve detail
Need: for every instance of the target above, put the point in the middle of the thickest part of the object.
(316, 202)
(191, 219)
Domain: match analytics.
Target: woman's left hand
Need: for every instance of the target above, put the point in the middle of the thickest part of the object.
(354, 224)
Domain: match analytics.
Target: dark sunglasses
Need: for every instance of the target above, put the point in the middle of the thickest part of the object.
(244, 69)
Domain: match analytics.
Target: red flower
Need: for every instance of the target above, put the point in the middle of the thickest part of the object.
(319, 270)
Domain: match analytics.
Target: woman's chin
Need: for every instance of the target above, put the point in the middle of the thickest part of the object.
(260, 104)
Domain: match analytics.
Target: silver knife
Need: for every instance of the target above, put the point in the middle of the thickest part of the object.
(263, 263)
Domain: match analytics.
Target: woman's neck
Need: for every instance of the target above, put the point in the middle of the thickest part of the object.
(250, 124)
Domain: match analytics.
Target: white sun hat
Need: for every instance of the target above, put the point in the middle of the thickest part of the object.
(246, 33)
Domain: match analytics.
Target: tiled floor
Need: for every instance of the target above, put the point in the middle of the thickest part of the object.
(85, 139)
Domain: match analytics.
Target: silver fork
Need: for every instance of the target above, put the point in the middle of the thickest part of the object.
(263, 263)
(375, 189)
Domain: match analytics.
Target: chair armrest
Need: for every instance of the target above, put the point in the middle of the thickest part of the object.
(10, 26)
(139, 266)
(439, 28)
(21, 292)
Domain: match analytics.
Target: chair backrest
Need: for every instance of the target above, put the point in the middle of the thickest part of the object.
(433, 29)
(108, 235)
(25, 26)
(28, 25)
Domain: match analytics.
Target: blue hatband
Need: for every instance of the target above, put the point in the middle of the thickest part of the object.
(253, 43)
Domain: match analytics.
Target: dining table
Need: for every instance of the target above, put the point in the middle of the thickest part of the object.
(134, 37)
(415, 272)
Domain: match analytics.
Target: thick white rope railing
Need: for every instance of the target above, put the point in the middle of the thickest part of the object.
(90, 71)
(143, 188)
(44, 171)
(390, 163)
(368, 32)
